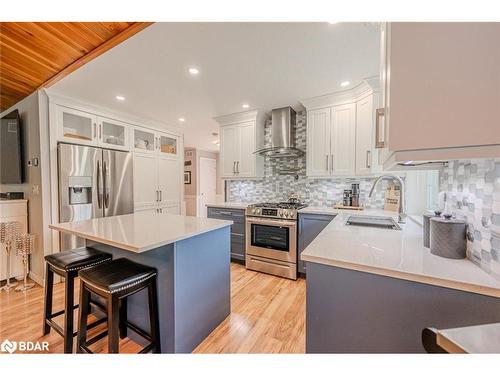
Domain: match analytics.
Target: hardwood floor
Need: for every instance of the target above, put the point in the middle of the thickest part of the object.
(267, 316)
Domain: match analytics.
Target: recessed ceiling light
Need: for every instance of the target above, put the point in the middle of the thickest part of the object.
(120, 98)
(182, 119)
(245, 105)
(193, 71)
(345, 83)
(333, 22)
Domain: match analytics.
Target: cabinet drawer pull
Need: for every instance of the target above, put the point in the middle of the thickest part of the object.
(327, 159)
(237, 167)
(100, 131)
(379, 143)
(95, 130)
(368, 159)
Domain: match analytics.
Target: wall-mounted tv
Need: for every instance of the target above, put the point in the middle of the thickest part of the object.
(11, 149)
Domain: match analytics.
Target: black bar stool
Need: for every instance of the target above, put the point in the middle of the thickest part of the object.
(67, 264)
(115, 281)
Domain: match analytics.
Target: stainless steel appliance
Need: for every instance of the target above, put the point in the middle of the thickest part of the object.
(271, 240)
(283, 130)
(93, 182)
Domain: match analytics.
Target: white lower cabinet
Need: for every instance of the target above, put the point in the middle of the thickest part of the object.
(157, 182)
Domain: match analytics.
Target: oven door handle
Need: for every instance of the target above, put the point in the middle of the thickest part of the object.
(272, 222)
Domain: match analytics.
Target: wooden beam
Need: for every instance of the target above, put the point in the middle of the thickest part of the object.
(110, 43)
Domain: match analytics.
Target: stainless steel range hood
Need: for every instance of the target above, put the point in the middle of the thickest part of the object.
(283, 128)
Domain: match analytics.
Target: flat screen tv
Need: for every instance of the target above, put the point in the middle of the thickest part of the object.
(11, 152)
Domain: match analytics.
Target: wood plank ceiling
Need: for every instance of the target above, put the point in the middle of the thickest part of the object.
(37, 54)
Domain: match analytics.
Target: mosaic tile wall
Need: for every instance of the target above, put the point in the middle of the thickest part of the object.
(279, 180)
(473, 193)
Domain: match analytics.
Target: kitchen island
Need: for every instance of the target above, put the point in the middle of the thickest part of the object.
(192, 256)
(373, 290)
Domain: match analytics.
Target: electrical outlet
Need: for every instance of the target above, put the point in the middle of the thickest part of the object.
(35, 190)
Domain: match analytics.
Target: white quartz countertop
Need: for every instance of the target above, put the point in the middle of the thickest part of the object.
(480, 339)
(140, 231)
(393, 253)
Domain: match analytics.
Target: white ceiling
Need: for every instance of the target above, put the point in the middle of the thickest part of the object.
(266, 65)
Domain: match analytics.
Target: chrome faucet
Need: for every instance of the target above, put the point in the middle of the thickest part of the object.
(402, 204)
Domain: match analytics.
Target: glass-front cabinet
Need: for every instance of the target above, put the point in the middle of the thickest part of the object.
(168, 144)
(76, 126)
(144, 140)
(150, 141)
(80, 127)
(113, 134)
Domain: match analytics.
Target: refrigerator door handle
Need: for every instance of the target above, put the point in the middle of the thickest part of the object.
(99, 190)
(105, 184)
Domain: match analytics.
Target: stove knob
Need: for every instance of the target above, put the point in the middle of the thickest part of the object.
(253, 210)
(286, 214)
(280, 213)
(257, 211)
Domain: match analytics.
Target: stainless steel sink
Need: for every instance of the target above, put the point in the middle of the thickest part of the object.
(383, 222)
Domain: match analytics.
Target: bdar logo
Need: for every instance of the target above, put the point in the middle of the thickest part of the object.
(8, 346)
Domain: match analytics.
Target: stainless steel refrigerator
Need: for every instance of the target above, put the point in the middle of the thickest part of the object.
(93, 183)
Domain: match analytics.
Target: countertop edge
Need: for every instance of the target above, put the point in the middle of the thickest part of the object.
(449, 345)
(94, 238)
(124, 246)
(430, 280)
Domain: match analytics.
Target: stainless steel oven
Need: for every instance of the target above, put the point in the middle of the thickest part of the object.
(271, 245)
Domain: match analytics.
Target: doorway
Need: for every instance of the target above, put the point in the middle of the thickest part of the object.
(207, 184)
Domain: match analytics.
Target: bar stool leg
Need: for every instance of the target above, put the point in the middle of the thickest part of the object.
(113, 324)
(82, 315)
(153, 316)
(68, 313)
(49, 290)
(123, 318)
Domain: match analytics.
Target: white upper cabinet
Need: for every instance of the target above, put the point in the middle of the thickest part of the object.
(318, 142)
(76, 126)
(441, 91)
(343, 140)
(113, 134)
(340, 131)
(246, 164)
(364, 135)
(229, 145)
(241, 135)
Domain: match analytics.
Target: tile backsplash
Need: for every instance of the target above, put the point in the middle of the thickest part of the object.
(473, 192)
(283, 176)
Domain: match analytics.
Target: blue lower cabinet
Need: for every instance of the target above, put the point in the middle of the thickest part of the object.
(310, 225)
(237, 229)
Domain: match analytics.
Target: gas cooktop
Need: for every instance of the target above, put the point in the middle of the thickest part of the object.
(283, 210)
(284, 205)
